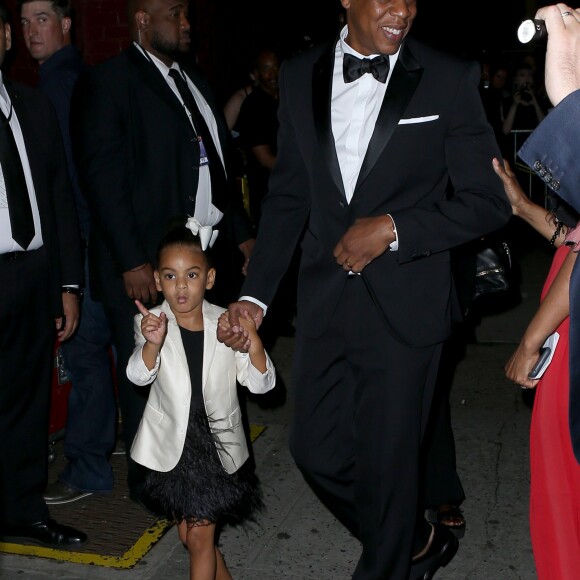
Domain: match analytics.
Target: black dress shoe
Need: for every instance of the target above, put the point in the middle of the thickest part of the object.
(443, 547)
(60, 492)
(46, 533)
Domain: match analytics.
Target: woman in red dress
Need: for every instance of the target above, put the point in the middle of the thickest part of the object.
(554, 471)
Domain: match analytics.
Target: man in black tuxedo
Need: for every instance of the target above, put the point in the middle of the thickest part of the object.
(371, 128)
(41, 271)
(144, 158)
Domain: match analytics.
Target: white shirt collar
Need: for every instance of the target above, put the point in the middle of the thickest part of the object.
(4, 98)
(347, 49)
(164, 69)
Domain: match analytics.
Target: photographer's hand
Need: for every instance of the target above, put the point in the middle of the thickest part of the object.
(563, 50)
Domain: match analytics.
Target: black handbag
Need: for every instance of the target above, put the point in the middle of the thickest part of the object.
(493, 268)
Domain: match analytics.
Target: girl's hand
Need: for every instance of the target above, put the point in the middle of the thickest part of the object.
(248, 323)
(153, 328)
(239, 341)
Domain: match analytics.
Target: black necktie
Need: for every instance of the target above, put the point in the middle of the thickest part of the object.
(19, 208)
(354, 67)
(216, 169)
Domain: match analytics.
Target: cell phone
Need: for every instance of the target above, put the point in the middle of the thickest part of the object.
(545, 358)
(540, 366)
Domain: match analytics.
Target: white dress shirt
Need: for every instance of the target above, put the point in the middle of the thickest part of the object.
(7, 244)
(354, 111)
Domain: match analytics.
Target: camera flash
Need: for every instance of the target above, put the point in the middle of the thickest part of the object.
(532, 30)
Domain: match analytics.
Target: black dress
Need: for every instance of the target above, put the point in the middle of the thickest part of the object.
(198, 487)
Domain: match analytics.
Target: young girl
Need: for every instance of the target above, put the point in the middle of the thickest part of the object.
(191, 434)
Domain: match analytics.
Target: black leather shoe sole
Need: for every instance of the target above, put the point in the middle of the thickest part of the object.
(48, 533)
(443, 548)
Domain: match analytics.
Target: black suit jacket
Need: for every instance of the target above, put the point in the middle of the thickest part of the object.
(431, 127)
(58, 217)
(134, 148)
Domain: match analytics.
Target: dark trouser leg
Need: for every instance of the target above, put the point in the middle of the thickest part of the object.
(362, 401)
(26, 357)
(92, 406)
(440, 481)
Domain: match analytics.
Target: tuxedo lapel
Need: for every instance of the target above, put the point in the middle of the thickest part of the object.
(404, 81)
(153, 79)
(321, 97)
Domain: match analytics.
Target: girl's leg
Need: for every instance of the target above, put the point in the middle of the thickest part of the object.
(222, 572)
(200, 543)
(182, 532)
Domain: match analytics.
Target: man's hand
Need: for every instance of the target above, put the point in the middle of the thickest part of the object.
(67, 324)
(236, 337)
(140, 284)
(364, 241)
(563, 50)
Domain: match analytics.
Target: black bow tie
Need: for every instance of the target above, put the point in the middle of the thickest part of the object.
(353, 67)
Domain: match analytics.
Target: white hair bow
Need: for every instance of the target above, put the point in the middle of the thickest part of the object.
(207, 235)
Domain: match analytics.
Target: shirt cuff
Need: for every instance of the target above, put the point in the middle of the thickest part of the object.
(255, 301)
(394, 246)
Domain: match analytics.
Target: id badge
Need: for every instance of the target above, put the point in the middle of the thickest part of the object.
(203, 160)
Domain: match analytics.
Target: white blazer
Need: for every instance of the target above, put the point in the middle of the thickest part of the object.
(160, 437)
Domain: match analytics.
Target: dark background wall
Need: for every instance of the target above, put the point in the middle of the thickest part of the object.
(225, 32)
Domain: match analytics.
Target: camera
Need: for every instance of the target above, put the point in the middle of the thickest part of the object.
(525, 94)
(532, 30)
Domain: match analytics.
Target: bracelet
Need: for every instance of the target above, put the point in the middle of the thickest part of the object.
(72, 290)
(557, 232)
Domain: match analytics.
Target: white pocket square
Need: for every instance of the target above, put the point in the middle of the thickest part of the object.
(411, 120)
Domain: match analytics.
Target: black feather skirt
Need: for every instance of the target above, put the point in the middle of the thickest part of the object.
(198, 487)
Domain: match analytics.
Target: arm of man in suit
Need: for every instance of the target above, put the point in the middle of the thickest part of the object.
(551, 151)
(66, 224)
(100, 133)
(478, 204)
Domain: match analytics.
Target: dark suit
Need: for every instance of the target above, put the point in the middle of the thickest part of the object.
(30, 300)
(368, 347)
(138, 160)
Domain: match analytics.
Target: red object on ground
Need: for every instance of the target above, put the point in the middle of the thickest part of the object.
(60, 390)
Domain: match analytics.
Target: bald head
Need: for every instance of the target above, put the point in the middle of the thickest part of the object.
(160, 27)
